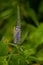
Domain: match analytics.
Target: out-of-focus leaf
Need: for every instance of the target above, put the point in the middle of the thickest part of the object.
(26, 30)
(36, 64)
(39, 55)
(40, 9)
(17, 59)
(6, 14)
(28, 52)
(36, 38)
(8, 36)
(30, 13)
(3, 49)
(3, 61)
(31, 28)
(24, 33)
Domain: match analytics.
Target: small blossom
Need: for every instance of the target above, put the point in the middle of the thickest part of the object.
(17, 29)
(17, 35)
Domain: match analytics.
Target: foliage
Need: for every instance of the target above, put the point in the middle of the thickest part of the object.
(30, 50)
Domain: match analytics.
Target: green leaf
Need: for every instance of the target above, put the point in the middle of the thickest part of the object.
(8, 36)
(39, 55)
(36, 38)
(24, 34)
(33, 16)
(17, 59)
(6, 14)
(3, 61)
(29, 12)
(3, 49)
(26, 30)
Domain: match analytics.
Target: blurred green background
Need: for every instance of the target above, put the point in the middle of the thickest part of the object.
(30, 50)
